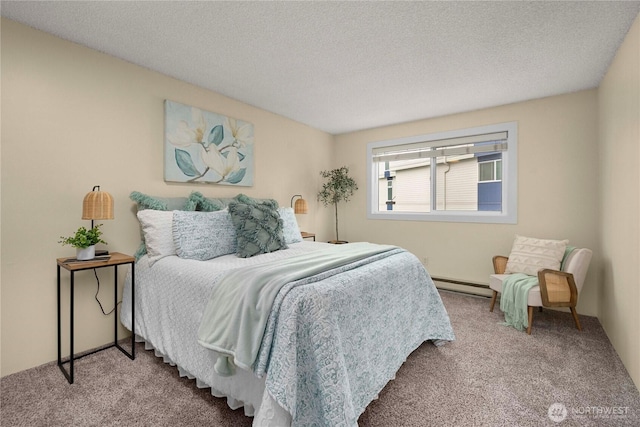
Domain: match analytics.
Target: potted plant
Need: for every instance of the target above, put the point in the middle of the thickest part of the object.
(338, 187)
(84, 241)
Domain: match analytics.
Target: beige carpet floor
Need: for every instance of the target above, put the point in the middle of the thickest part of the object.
(491, 375)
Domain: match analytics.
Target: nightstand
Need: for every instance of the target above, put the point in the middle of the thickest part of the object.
(72, 265)
(306, 235)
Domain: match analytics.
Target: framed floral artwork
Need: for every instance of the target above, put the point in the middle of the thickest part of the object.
(205, 147)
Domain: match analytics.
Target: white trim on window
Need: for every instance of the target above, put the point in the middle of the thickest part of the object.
(494, 175)
(419, 146)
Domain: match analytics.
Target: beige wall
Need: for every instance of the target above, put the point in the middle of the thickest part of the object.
(73, 118)
(619, 135)
(557, 190)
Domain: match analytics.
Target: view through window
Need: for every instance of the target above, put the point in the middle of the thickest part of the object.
(466, 175)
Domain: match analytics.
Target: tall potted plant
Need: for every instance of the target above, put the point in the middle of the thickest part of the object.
(339, 186)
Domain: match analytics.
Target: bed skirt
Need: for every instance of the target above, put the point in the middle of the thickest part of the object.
(269, 413)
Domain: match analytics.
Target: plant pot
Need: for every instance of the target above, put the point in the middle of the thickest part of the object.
(85, 254)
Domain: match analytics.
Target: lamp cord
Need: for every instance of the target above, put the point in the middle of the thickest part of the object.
(95, 272)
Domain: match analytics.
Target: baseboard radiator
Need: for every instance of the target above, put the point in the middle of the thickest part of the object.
(465, 287)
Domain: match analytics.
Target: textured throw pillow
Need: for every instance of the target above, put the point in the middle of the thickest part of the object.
(222, 201)
(197, 202)
(157, 232)
(145, 201)
(203, 235)
(290, 230)
(243, 198)
(258, 226)
(530, 255)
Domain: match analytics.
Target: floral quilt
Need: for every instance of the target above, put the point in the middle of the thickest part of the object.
(331, 346)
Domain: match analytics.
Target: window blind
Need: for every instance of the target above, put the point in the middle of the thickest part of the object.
(485, 143)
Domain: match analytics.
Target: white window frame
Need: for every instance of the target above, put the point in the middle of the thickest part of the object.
(495, 170)
(509, 214)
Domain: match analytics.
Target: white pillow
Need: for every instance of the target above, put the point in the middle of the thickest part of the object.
(530, 255)
(290, 227)
(157, 228)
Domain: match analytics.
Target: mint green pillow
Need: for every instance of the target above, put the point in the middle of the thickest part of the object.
(145, 201)
(243, 198)
(259, 228)
(197, 202)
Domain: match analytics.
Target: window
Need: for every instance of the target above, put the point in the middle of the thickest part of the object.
(467, 175)
(489, 170)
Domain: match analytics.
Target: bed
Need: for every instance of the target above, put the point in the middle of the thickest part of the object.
(331, 341)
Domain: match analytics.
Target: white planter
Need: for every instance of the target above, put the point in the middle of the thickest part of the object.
(84, 254)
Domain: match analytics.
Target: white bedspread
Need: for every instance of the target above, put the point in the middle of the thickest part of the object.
(335, 343)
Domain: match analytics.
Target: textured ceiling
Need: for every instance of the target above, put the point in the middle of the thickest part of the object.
(345, 66)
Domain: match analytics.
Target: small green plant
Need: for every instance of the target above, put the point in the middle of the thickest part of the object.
(338, 187)
(84, 238)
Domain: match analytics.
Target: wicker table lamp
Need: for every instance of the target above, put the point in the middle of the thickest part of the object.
(300, 206)
(97, 205)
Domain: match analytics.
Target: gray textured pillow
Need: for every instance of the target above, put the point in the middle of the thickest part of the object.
(290, 230)
(258, 226)
(203, 235)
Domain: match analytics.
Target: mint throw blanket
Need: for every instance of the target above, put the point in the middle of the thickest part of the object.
(235, 317)
(513, 302)
(515, 295)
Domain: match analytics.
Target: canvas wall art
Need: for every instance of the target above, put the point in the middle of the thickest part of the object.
(207, 148)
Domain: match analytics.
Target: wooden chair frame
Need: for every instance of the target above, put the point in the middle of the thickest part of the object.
(552, 282)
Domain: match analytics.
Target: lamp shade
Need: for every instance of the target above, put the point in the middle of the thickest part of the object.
(300, 207)
(97, 205)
